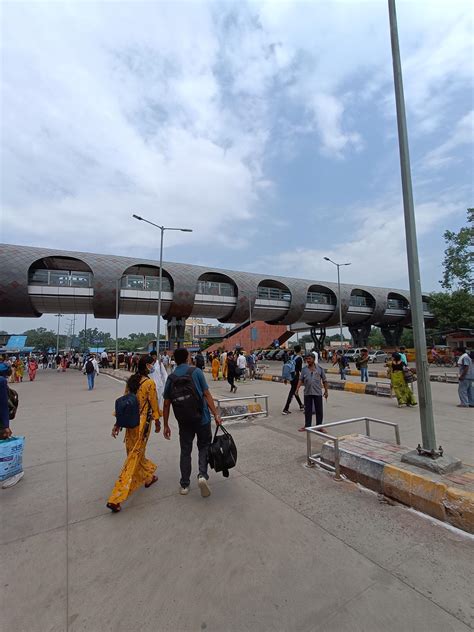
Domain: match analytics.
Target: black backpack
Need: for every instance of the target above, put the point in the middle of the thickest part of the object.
(12, 402)
(89, 367)
(186, 401)
(222, 453)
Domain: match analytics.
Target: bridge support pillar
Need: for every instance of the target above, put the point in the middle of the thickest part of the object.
(360, 335)
(176, 328)
(318, 334)
(392, 334)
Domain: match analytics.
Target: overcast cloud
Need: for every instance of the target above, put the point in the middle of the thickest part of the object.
(267, 127)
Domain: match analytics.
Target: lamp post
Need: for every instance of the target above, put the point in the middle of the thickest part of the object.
(57, 337)
(338, 265)
(424, 390)
(160, 281)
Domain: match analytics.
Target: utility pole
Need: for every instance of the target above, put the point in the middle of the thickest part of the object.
(416, 302)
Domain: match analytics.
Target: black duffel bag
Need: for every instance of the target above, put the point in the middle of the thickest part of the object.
(222, 454)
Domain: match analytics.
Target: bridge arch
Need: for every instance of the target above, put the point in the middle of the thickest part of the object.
(216, 295)
(60, 281)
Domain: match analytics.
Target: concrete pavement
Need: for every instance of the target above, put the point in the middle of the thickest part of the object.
(276, 546)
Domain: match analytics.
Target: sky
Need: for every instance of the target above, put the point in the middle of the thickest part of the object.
(269, 128)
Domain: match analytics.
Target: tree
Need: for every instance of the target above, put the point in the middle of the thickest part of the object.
(406, 339)
(454, 310)
(459, 257)
(376, 338)
(42, 339)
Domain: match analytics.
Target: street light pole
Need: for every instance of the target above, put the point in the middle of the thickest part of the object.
(416, 300)
(57, 337)
(117, 298)
(338, 265)
(160, 278)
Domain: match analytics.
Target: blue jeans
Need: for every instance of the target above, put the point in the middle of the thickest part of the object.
(364, 374)
(90, 380)
(466, 392)
(342, 372)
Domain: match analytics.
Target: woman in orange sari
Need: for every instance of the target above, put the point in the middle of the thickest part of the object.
(137, 469)
(215, 366)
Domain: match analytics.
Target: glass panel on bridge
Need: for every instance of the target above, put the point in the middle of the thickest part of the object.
(215, 288)
(320, 298)
(149, 283)
(60, 278)
(273, 294)
(395, 303)
(361, 301)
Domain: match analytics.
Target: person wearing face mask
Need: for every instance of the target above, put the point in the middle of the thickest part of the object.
(137, 469)
(159, 375)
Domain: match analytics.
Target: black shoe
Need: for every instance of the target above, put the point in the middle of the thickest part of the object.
(285, 412)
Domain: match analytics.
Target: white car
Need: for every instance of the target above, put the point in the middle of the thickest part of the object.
(378, 356)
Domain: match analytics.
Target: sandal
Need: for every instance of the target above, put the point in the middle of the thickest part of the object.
(114, 508)
(153, 480)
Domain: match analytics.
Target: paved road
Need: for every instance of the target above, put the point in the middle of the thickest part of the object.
(276, 546)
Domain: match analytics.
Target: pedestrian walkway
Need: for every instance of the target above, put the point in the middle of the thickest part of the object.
(277, 546)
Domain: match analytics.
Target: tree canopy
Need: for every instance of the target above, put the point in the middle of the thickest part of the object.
(459, 256)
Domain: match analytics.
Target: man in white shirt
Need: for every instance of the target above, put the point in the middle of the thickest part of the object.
(466, 378)
(90, 370)
(159, 375)
(241, 364)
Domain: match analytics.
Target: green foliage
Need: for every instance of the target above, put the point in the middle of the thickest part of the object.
(376, 338)
(407, 339)
(42, 339)
(459, 256)
(453, 310)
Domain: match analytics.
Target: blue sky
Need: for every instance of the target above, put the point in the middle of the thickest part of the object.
(267, 127)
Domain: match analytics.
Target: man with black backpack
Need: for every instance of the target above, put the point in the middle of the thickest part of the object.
(293, 378)
(186, 390)
(91, 369)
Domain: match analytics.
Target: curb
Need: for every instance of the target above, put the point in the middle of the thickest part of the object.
(429, 494)
(350, 387)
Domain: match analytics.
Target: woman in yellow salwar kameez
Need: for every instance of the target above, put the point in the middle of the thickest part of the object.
(137, 469)
(402, 391)
(215, 366)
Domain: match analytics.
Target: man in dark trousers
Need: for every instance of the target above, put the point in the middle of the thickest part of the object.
(187, 391)
(313, 378)
(294, 382)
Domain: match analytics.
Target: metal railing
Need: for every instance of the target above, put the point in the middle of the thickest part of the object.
(312, 459)
(240, 414)
(148, 283)
(215, 288)
(60, 278)
(320, 298)
(273, 294)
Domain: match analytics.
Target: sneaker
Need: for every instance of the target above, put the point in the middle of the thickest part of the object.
(303, 429)
(13, 480)
(184, 491)
(204, 487)
(285, 412)
(302, 408)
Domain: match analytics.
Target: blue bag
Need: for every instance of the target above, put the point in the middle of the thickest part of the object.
(11, 457)
(127, 413)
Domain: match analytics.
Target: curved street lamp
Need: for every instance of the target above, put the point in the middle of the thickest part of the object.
(160, 282)
(338, 265)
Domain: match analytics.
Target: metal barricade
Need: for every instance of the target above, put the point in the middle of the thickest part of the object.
(235, 413)
(312, 459)
(383, 389)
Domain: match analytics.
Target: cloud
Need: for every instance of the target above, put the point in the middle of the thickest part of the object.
(462, 134)
(376, 249)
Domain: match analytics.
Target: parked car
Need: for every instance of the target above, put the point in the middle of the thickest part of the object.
(378, 356)
(353, 355)
(280, 354)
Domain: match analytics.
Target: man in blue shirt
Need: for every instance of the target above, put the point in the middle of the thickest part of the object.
(190, 423)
